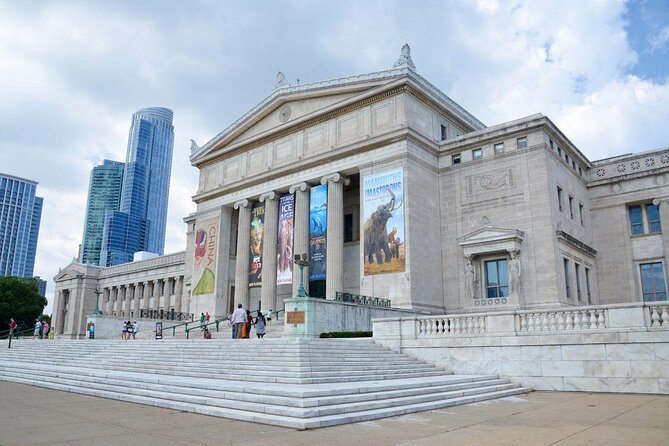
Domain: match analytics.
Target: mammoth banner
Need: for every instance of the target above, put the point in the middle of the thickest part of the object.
(204, 268)
(257, 232)
(318, 230)
(284, 255)
(383, 216)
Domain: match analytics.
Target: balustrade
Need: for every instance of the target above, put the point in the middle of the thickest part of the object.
(450, 325)
(562, 320)
(659, 315)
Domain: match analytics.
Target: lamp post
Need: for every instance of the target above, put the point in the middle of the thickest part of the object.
(97, 311)
(301, 260)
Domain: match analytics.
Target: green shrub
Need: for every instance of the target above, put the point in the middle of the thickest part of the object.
(347, 334)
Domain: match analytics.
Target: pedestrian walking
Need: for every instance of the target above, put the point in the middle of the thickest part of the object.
(12, 327)
(260, 325)
(38, 329)
(207, 317)
(238, 320)
(247, 325)
(202, 318)
(135, 328)
(268, 318)
(45, 330)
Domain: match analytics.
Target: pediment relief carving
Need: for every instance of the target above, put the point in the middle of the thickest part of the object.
(487, 240)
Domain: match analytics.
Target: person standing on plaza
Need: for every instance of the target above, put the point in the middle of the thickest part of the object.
(12, 327)
(269, 317)
(45, 330)
(238, 320)
(38, 329)
(202, 318)
(260, 325)
(135, 328)
(207, 317)
(247, 325)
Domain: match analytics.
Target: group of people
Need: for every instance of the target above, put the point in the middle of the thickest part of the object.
(242, 320)
(42, 329)
(129, 329)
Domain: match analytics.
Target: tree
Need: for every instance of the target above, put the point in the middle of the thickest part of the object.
(19, 299)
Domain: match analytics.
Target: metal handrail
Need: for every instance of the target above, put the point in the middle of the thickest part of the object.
(174, 327)
(16, 334)
(203, 326)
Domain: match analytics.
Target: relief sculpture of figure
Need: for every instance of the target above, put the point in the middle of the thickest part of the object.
(470, 279)
(514, 273)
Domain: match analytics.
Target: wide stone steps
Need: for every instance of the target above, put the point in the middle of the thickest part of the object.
(297, 383)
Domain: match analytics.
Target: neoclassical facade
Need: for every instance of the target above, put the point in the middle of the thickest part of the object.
(390, 189)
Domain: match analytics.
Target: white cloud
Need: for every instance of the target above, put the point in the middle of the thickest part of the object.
(660, 40)
(73, 74)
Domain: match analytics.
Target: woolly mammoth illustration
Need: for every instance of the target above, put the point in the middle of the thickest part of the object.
(376, 233)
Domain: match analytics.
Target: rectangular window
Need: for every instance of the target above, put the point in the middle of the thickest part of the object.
(653, 214)
(573, 165)
(580, 171)
(636, 220)
(477, 154)
(348, 228)
(497, 280)
(652, 282)
(566, 277)
(444, 135)
(559, 197)
(550, 143)
(499, 147)
(580, 214)
(521, 143)
(577, 276)
(587, 284)
(560, 152)
(571, 207)
(455, 159)
(566, 158)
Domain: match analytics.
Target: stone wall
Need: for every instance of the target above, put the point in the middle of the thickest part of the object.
(623, 348)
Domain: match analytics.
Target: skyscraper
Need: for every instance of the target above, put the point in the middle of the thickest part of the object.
(139, 224)
(104, 194)
(20, 215)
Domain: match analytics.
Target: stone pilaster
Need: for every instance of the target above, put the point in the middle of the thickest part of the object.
(334, 280)
(60, 313)
(268, 288)
(242, 261)
(663, 205)
(300, 231)
(135, 302)
(177, 294)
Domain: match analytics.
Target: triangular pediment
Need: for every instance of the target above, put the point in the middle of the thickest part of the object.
(490, 234)
(74, 270)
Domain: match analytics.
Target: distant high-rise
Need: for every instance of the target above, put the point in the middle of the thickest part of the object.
(104, 194)
(20, 215)
(139, 224)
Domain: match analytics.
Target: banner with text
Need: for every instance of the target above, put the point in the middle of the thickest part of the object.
(257, 233)
(318, 229)
(383, 214)
(284, 256)
(204, 268)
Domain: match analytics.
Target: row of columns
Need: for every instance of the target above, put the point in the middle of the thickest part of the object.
(118, 299)
(335, 241)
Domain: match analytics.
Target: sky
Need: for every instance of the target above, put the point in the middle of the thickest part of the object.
(72, 73)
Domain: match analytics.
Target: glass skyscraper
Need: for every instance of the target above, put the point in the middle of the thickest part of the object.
(139, 224)
(104, 194)
(20, 216)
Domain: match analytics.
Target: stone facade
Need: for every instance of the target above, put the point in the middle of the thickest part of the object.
(519, 194)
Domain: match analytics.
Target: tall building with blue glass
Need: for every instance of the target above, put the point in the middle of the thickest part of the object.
(20, 216)
(104, 194)
(139, 224)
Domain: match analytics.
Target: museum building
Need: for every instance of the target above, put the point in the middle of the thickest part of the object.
(392, 190)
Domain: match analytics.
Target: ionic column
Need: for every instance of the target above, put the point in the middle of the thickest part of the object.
(60, 313)
(242, 260)
(268, 288)
(156, 295)
(300, 232)
(147, 297)
(177, 294)
(135, 302)
(116, 307)
(107, 300)
(125, 303)
(334, 280)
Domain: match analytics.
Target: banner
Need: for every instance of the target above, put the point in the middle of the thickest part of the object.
(318, 229)
(257, 232)
(383, 214)
(284, 256)
(204, 269)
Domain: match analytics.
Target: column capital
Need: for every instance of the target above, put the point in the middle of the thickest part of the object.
(659, 201)
(300, 186)
(335, 178)
(267, 196)
(241, 204)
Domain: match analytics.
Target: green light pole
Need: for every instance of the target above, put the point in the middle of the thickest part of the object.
(97, 311)
(301, 260)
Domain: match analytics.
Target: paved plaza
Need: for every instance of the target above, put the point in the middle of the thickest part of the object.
(47, 417)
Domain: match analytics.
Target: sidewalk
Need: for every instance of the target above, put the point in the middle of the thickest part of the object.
(41, 416)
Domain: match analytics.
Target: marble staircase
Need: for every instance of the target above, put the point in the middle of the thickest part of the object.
(293, 382)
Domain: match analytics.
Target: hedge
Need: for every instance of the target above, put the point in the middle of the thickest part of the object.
(347, 334)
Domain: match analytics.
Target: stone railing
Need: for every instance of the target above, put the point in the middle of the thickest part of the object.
(644, 316)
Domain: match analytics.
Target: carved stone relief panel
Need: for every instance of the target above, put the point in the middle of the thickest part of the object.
(233, 169)
(257, 161)
(482, 183)
(348, 128)
(285, 149)
(382, 116)
(315, 139)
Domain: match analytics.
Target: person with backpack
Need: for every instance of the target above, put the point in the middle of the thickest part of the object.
(260, 325)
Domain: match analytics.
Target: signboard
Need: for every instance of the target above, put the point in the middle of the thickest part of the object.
(284, 256)
(383, 216)
(257, 233)
(204, 268)
(294, 317)
(318, 228)
(159, 330)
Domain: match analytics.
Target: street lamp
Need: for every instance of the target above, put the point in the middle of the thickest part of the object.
(97, 311)
(301, 260)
